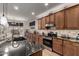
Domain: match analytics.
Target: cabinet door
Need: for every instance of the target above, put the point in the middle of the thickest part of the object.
(57, 45)
(68, 48)
(47, 19)
(76, 49)
(40, 39)
(72, 17)
(36, 39)
(54, 45)
(43, 23)
(59, 20)
(52, 18)
(39, 24)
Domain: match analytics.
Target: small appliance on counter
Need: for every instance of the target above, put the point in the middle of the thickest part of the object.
(65, 36)
(77, 37)
(52, 34)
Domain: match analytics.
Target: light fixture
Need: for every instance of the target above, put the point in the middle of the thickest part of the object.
(33, 13)
(3, 19)
(6, 50)
(5, 54)
(46, 4)
(16, 7)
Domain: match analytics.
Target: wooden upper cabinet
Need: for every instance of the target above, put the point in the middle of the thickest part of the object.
(43, 23)
(47, 19)
(64, 19)
(72, 17)
(59, 20)
(52, 18)
(39, 24)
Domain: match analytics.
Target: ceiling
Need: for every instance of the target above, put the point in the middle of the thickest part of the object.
(26, 9)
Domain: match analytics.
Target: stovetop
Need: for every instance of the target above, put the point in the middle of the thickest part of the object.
(47, 38)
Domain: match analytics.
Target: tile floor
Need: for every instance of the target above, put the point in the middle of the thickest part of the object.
(49, 53)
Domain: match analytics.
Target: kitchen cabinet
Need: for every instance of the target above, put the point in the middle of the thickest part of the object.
(59, 20)
(40, 39)
(43, 23)
(30, 37)
(72, 17)
(38, 53)
(64, 19)
(68, 48)
(51, 17)
(39, 24)
(76, 47)
(36, 39)
(47, 19)
(33, 38)
(65, 47)
(57, 45)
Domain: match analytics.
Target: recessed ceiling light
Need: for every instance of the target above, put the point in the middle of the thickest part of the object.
(16, 7)
(33, 13)
(46, 4)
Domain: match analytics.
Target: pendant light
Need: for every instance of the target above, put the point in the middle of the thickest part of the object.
(3, 19)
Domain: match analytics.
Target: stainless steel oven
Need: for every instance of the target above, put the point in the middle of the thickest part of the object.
(47, 42)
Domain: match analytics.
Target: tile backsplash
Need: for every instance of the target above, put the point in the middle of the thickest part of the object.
(71, 33)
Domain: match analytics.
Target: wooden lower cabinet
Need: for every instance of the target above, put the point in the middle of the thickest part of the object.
(76, 47)
(57, 45)
(36, 39)
(68, 48)
(38, 53)
(65, 47)
(40, 39)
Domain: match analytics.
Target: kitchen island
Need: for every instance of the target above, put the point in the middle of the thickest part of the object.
(20, 48)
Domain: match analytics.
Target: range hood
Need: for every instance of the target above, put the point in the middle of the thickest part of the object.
(48, 26)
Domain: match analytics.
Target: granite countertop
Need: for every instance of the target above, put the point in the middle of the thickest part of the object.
(2, 41)
(36, 49)
(69, 39)
(19, 51)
